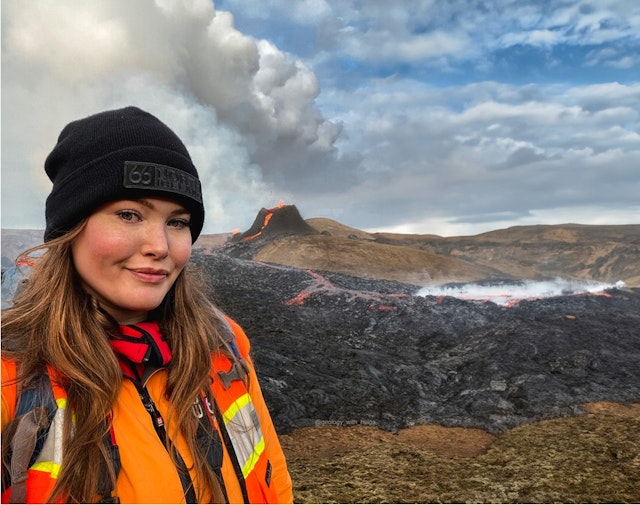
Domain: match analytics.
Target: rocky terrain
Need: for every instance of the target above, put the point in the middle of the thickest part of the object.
(381, 395)
(333, 348)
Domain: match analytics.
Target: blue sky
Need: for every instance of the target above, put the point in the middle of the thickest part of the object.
(543, 49)
(419, 116)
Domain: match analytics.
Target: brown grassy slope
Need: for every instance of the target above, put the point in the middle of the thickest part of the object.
(368, 259)
(336, 229)
(604, 253)
(588, 459)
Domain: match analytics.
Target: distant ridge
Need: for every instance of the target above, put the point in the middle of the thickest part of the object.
(605, 253)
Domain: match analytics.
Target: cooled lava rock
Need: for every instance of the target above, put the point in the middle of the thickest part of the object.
(335, 349)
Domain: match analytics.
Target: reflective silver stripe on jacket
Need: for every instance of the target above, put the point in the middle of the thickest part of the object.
(243, 426)
(50, 458)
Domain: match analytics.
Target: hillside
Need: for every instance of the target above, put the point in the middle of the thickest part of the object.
(602, 253)
(371, 259)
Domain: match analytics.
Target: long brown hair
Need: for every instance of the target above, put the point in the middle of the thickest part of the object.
(55, 321)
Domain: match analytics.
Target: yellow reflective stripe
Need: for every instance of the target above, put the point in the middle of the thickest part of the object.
(47, 466)
(253, 459)
(235, 407)
(62, 403)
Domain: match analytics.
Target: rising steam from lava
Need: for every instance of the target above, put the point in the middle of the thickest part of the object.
(508, 293)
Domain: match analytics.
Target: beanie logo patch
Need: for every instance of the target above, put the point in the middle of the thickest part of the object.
(141, 175)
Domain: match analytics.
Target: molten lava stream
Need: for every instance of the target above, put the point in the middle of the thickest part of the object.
(267, 218)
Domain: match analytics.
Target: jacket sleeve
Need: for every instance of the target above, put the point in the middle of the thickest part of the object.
(280, 476)
(9, 391)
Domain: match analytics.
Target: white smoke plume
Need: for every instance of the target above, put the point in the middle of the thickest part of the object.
(504, 293)
(241, 106)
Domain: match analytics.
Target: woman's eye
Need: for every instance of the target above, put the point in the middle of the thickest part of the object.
(128, 215)
(179, 223)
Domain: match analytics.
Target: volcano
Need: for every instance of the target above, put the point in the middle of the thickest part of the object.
(268, 226)
(280, 221)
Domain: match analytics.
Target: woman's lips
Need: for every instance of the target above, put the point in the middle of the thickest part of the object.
(149, 274)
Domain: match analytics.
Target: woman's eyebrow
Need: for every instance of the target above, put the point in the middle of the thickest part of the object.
(149, 204)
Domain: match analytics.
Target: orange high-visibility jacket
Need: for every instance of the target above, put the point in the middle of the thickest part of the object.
(148, 474)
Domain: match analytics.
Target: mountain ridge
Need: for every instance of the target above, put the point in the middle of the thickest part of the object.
(606, 253)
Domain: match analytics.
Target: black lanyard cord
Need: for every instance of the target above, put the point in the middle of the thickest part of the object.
(158, 423)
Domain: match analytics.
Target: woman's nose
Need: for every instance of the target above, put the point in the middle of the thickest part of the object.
(155, 242)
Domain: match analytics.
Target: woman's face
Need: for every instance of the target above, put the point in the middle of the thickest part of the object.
(130, 253)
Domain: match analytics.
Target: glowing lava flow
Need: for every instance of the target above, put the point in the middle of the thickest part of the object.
(320, 285)
(25, 261)
(324, 286)
(267, 218)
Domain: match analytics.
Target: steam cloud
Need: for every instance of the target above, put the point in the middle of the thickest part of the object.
(221, 91)
(507, 294)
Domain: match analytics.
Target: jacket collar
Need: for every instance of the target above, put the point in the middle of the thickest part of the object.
(141, 347)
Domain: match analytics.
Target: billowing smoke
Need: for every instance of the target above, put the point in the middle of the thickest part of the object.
(508, 293)
(242, 106)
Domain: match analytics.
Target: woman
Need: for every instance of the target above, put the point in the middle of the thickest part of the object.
(152, 394)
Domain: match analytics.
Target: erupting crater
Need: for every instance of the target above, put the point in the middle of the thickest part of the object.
(275, 222)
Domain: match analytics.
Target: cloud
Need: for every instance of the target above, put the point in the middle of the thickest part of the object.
(437, 32)
(503, 154)
(442, 117)
(246, 110)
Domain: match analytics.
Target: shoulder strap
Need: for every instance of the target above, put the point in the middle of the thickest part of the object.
(239, 369)
(25, 435)
(105, 485)
(227, 332)
(33, 392)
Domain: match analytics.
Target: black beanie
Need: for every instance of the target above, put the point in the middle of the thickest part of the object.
(114, 155)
